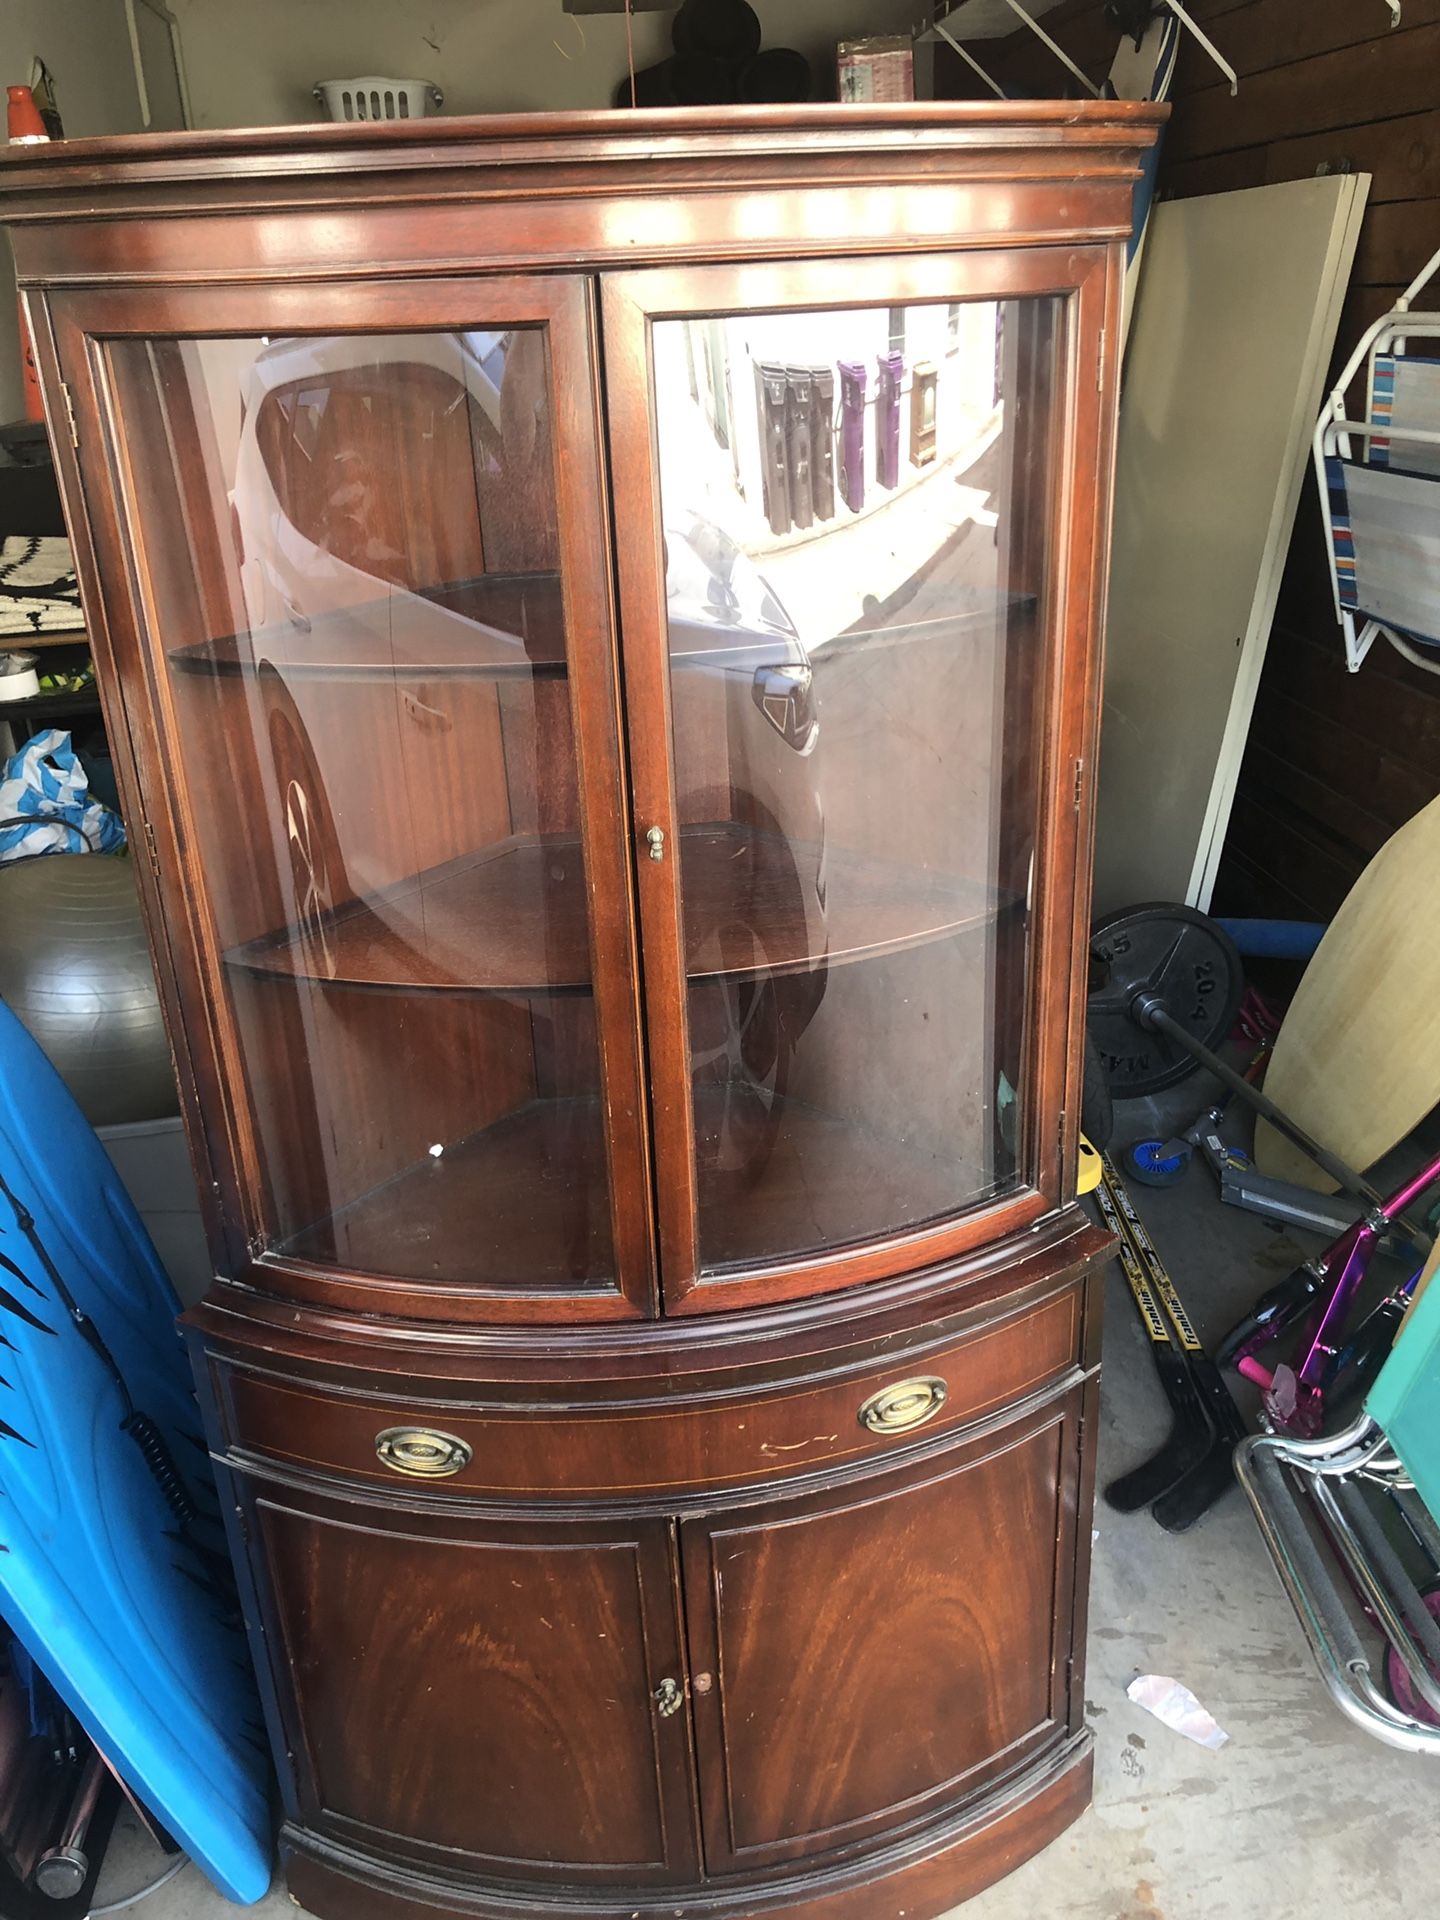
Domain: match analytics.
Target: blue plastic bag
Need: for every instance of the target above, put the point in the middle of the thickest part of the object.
(45, 803)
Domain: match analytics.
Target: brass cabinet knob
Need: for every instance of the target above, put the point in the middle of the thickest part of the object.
(905, 1405)
(422, 1452)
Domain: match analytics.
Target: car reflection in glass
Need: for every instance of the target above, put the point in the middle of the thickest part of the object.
(755, 830)
(721, 606)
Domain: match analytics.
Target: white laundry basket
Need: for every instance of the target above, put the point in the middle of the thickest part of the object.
(373, 98)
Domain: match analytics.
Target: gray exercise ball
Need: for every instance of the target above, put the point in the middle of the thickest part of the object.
(75, 969)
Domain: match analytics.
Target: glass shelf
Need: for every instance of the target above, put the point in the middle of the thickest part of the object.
(513, 919)
(494, 627)
(500, 626)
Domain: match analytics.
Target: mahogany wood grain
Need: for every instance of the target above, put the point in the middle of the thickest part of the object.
(777, 1171)
(693, 1439)
(367, 758)
(400, 514)
(1074, 515)
(917, 1878)
(562, 308)
(878, 1649)
(460, 1681)
(517, 1205)
(334, 1345)
(465, 1333)
(481, 1689)
(435, 1072)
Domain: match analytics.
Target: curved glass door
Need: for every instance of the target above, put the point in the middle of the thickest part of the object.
(367, 645)
(857, 504)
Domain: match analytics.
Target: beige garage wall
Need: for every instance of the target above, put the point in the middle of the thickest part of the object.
(86, 45)
(254, 63)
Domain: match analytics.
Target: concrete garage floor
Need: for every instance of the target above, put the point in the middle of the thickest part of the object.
(1299, 1813)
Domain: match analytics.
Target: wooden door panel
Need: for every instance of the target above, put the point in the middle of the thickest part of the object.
(461, 1686)
(892, 759)
(363, 628)
(876, 1651)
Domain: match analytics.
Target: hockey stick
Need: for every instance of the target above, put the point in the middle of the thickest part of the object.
(1198, 1490)
(1191, 1434)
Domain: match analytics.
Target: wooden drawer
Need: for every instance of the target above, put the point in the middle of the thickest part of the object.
(514, 1444)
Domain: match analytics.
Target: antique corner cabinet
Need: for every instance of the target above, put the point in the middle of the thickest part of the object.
(599, 619)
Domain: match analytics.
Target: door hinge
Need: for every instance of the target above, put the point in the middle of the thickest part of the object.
(255, 1246)
(1100, 362)
(150, 854)
(1060, 1133)
(1079, 784)
(69, 399)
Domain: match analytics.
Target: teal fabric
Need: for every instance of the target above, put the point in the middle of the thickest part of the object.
(1405, 1400)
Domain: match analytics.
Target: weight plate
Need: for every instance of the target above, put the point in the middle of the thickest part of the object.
(1177, 953)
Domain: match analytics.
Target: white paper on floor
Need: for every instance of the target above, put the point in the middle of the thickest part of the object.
(1177, 1707)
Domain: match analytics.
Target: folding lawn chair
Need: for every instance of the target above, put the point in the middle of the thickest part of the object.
(1372, 1496)
(1381, 504)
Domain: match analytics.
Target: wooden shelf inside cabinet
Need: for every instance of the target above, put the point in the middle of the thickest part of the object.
(523, 1202)
(508, 920)
(802, 1177)
(506, 625)
(759, 903)
(497, 626)
(513, 919)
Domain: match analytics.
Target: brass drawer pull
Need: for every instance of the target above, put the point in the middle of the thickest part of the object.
(422, 1451)
(905, 1405)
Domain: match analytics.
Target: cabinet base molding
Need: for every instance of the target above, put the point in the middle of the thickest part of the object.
(926, 1874)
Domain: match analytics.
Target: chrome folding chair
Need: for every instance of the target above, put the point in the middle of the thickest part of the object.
(1350, 1522)
(1380, 488)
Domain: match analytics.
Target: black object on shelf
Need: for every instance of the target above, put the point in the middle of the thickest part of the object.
(27, 715)
(684, 80)
(718, 60)
(777, 74)
(717, 29)
(701, 80)
(28, 445)
(30, 499)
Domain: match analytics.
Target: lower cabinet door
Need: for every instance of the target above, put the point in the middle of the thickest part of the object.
(481, 1694)
(863, 1656)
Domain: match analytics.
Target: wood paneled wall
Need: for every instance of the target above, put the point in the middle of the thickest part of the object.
(1335, 762)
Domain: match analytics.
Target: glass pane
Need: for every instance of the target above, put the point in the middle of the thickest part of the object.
(855, 509)
(351, 544)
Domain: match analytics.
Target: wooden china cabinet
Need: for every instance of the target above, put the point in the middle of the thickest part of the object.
(614, 797)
